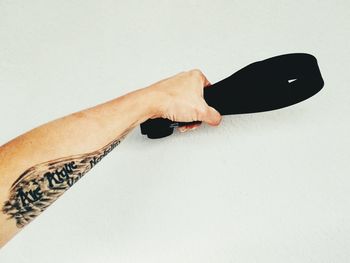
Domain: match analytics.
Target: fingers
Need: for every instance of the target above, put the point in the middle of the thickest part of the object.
(211, 116)
(200, 74)
(206, 82)
(189, 127)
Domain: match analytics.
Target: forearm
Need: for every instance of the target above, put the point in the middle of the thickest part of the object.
(39, 166)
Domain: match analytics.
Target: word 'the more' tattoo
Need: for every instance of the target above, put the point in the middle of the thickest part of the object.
(39, 186)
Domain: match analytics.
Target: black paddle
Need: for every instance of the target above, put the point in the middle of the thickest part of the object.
(266, 85)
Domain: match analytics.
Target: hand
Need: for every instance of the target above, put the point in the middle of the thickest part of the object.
(181, 99)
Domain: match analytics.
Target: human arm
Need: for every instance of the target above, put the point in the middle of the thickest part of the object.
(40, 165)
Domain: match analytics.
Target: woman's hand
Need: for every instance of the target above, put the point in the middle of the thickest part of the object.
(181, 99)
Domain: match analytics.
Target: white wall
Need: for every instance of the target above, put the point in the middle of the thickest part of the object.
(268, 187)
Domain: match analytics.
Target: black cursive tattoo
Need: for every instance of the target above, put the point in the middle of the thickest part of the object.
(39, 186)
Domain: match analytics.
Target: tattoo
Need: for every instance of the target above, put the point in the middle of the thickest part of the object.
(39, 186)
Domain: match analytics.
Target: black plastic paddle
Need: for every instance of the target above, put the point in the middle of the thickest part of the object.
(266, 85)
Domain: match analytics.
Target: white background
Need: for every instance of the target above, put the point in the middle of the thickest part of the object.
(267, 187)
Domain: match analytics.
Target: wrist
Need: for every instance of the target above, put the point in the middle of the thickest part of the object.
(146, 103)
(154, 102)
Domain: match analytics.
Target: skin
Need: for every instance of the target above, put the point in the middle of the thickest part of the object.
(40, 165)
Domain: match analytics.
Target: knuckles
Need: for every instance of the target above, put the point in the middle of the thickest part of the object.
(196, 73)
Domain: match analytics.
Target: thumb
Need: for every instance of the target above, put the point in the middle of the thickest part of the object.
(211, 116)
